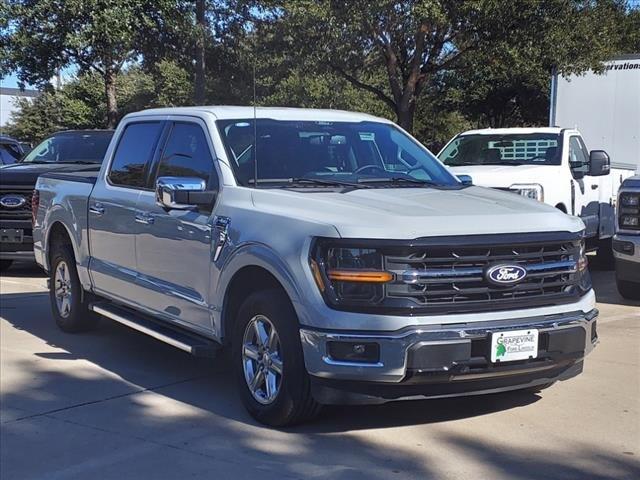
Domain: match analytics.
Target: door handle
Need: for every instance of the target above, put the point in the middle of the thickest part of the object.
(144, 218)
(594, 187)
(96, 209)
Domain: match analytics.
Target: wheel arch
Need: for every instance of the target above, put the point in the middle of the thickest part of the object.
(561, 206)
(251, 268)
(58, 234)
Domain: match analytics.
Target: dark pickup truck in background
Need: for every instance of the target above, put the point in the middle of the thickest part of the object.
(11, 150)
(69, 151)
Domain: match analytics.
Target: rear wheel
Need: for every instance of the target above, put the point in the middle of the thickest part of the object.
(604, 256)
(629, 290)
(69, 302)
(5, 264)
(268, 361)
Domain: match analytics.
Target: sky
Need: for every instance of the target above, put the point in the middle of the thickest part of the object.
(10, 81)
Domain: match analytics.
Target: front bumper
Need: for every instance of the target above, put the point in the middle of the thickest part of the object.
(626, 250)
(11, 250)
(447, 360)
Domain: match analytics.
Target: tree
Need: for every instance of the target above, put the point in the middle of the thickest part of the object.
(417, 41)
(40, 37)
(81, 103)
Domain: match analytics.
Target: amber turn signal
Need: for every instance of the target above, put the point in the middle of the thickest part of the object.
(360, 276)
(317, 276)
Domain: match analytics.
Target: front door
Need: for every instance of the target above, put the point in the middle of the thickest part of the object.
(173, 247)
(585, 194)
(112, 208)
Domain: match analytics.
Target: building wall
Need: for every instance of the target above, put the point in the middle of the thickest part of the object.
(8, 98)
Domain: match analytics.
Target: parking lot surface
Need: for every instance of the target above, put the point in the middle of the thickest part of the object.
(114, 404)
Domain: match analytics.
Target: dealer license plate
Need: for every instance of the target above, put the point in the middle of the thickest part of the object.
(11, 235)
(514, 345)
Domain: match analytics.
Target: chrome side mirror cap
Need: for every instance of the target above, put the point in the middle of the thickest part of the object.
(183, 193)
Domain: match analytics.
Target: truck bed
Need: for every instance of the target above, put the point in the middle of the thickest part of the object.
(64, 199)
(82, 177)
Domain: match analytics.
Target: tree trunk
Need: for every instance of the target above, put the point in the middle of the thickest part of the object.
(112, 102)
(405, 114)
(201, 25)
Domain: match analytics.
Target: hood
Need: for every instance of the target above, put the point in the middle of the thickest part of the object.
(26, 174)
(407, 213)
(503, 176)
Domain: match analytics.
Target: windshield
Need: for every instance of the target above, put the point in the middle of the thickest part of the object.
(329, 153)
(9, 153)
(70, 148)
(511, 149)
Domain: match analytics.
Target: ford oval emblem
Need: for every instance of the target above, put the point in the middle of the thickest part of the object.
(505, 274)
(13, 201)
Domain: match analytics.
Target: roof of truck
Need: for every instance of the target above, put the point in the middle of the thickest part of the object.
(225, 112)
(516, 131)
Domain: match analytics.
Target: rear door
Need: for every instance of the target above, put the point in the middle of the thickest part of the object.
(112, 209)
(173, 247)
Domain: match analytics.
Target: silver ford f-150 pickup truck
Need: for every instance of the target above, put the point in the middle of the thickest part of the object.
(334, 255)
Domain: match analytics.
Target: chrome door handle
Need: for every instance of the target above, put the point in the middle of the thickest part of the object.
(96, 209)
(144, 218)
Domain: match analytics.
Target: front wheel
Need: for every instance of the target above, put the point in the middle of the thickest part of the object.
(5, 264)
(604, 255)
(629, 290)
(69, 302)
(268, 361)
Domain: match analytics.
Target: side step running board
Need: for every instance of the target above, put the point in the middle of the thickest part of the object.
(189, 342)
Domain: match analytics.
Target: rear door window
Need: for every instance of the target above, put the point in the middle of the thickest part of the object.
(134, 154)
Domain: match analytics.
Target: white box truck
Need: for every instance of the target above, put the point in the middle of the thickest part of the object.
(604, 107)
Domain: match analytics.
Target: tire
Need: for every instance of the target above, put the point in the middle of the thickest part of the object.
(5, 264)
(289, 401)
(69, 302)
(604, 255)
(628, 290)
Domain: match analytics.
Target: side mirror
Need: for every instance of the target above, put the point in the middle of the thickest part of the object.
(599, 163)
(183, 193)
(465, 179)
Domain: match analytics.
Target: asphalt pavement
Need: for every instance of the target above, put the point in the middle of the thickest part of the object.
(115, 404)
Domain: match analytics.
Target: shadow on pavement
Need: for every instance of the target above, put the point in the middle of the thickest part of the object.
(147, 363)
(24, 269)
(207, 419)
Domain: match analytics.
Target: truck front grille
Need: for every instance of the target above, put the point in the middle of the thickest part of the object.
(450, 274)
(12, 213)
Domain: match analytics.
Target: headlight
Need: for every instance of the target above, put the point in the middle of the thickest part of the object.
(629, 211)
(529, 190)
(584, 277)
(351, 276)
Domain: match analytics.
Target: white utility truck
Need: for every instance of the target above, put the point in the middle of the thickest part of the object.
(553, 164)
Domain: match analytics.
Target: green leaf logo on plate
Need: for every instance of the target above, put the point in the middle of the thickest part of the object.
(500, 348)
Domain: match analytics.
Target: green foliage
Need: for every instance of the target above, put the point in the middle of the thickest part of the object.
(436, 67)
(80, 103)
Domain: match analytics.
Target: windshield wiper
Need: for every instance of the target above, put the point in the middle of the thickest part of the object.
(502, 162)
(306, 181)
(399, 180)
(80, 162)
